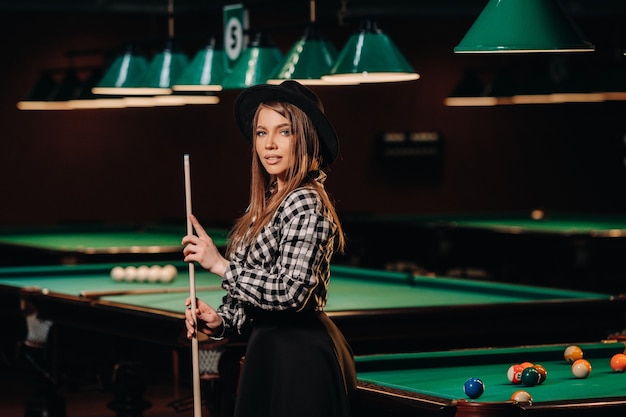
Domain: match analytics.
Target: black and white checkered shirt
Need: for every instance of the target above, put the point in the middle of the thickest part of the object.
(287, 267)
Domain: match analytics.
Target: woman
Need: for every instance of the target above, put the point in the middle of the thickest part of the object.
(277, 269)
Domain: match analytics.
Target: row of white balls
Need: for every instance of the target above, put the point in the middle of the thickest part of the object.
(144, 273)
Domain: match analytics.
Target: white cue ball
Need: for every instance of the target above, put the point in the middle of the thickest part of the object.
(130, 273)
(117, 273)
(154, 275)
(143, 272)
(168, 273)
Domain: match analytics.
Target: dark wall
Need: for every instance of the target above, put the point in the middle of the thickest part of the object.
(125, 165)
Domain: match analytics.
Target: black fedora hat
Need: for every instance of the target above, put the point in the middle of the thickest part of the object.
(295, 93)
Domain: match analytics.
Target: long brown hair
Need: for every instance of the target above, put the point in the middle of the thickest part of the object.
(304, 171)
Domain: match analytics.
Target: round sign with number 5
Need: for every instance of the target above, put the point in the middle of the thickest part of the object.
(233, 38)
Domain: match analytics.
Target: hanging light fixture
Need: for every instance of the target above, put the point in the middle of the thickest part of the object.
(523, 26)
(558, 82)
(42, 92)
(59, 96)
(470, 91)
(86, 99)
(184, 98)
(257, 63)
(145, 78)
(69, 89)
(165, 67)
(206, 70)
(311, 57)
(124, 74)
(370, 56)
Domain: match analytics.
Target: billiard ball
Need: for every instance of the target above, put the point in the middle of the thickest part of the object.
(618, 362)
(117, 273)
(543, 373)
(168, 273)
(572, 353)
(581, 368)
(142, 273)
(537, 214)
(474, 387)
(525, 365)
(130, 273)
(514, 374)
(521, 396)
(530, 376)
(154, 274)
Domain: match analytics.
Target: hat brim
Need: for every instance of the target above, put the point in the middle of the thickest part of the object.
(249, 100)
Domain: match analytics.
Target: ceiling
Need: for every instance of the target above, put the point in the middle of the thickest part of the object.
(591, 8)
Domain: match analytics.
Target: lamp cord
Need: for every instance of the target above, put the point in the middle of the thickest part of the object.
(170, 13)
(343, 12)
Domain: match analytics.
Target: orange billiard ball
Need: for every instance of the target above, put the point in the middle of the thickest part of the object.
(543, 373)
(521, 396)
(618, 362)
(581, 368)
(572, 353)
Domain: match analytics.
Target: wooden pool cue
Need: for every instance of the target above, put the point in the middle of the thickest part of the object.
(195, 361)
(142, 291)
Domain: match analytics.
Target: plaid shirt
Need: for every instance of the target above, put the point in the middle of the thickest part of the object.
(288, 265)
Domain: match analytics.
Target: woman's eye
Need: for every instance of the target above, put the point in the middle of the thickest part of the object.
(260, 133)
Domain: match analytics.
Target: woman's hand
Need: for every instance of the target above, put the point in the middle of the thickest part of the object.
(209, 322)
(202, 249)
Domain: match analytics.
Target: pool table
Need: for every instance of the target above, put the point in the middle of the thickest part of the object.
(431, 383)
(567, 250)
(97, 243)
(379, 311)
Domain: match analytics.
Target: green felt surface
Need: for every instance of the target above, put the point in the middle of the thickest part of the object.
(350, 288)
(608, 225)
(550, 225)
(442, 374)
(104, 239)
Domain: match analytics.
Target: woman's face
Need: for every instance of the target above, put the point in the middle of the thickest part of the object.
(273, 139)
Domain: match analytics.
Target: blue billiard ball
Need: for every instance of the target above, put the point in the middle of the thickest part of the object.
(474, 387)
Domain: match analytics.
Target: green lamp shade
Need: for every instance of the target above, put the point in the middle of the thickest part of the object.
(470, 91)
(370, 56)
(165, 67)
(205, 72)
(523, 26)
(256, 65)
(309, 59)
(125, 72)
(43, 91)
(86, 99)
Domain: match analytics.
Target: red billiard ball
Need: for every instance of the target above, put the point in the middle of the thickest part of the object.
(618, 362)
(474, 387)
(573, 353)
(514, 373)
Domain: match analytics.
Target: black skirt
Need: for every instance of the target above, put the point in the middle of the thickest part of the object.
(296, 364)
